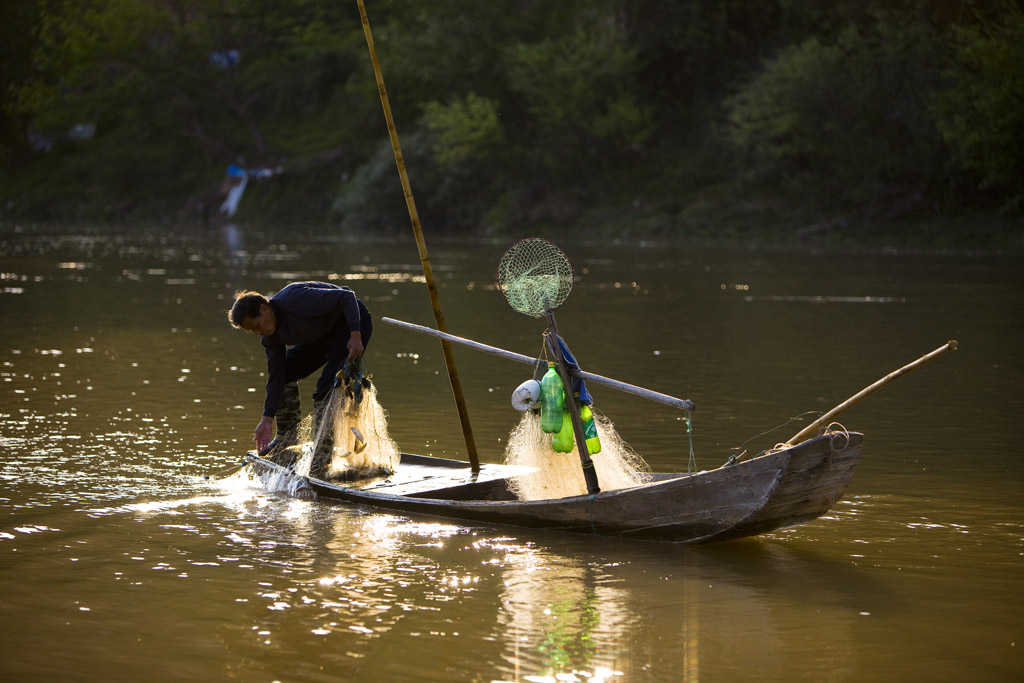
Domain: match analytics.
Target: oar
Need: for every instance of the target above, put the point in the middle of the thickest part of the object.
(827, 417)
(684, 404)
(428, 273)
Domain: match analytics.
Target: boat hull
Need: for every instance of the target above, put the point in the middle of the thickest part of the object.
(773, 491)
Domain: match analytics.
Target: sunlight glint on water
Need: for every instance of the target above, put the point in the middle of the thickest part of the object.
(118, 403)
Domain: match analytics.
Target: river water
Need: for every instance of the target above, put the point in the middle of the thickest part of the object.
(130, 550)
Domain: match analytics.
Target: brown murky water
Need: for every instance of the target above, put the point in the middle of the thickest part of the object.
(123, 389)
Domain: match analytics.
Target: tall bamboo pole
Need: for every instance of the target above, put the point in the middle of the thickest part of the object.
(428, 272)
(813, 428)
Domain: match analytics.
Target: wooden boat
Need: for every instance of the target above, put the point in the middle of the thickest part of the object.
(776, 490)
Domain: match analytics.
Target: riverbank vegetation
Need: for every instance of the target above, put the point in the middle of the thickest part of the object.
(888, 120)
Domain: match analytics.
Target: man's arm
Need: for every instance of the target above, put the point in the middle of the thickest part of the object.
(275, 378)
(355, 345)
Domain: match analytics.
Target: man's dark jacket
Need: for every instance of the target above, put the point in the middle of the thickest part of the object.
(308, 313)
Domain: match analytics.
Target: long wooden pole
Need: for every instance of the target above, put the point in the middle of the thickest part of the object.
(428, 272)
(684, 404)
(827, 417)
(589, 473)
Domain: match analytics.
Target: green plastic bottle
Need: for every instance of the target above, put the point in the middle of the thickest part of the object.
(590, 430)
(564, 439)
(552, 401)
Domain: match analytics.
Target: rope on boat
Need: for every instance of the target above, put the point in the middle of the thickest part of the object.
(691, 467)
(541, 364)
(834, 434)
(736, 457)
(828, 431)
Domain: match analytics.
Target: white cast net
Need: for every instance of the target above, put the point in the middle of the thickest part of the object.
(557, 475)
(362, 445)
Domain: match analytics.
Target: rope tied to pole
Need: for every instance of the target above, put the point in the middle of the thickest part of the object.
(691, 466)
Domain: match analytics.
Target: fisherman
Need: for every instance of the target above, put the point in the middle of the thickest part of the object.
(304, 326)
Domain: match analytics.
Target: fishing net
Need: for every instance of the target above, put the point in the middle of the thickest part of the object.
(557, 475)
(362, 446)
(355, 433)
(534, 276)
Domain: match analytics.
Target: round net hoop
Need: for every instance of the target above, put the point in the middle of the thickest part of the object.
(534, 276)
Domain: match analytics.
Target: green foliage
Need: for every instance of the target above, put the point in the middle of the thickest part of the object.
(981, 112)
(372, 198)
(577, 91)
(18, 38)
(178, 91)
(466, 129)
(844, 123)
(513, 114)
(450, 198)
(781, 117)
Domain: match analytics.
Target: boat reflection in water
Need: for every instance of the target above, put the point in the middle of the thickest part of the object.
(605, 620)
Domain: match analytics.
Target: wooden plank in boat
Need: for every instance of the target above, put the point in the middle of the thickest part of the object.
(417, 474)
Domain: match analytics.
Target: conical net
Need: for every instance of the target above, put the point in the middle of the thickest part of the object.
(557, 475)
(358, 432)
(534, 276)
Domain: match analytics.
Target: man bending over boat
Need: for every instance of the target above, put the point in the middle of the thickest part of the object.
(304, 326)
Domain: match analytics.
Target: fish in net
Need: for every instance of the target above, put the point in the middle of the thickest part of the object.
(347, 438)
(558, 475)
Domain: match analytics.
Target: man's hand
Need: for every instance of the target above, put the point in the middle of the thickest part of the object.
(264, 434)
(355, 345)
